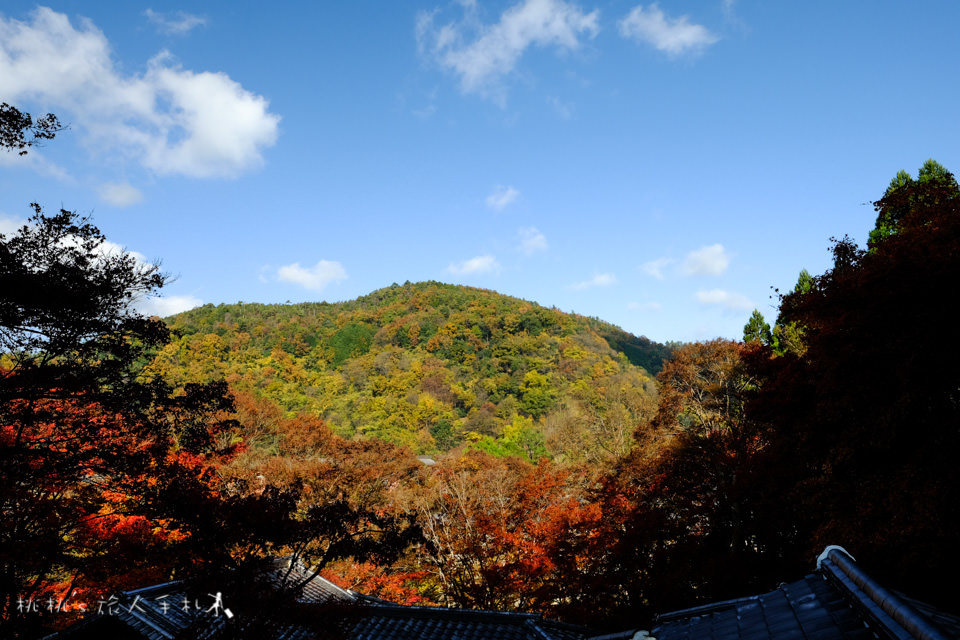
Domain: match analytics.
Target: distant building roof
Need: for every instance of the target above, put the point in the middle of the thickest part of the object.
(156, 613)
(837, 602)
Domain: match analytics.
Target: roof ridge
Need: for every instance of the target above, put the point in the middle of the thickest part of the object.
(402, 609)
(532, 625)
(881, 605)
(701, 610)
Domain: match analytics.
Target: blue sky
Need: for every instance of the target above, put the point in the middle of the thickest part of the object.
(660, 166)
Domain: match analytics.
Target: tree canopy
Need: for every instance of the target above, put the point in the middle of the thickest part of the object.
(906, 193)
(431, 366)
(18, 130)
(862, 424)
(85, 434)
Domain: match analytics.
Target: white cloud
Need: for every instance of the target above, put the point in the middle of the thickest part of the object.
(167, 305)
(531, 241)
(171, 120)
(644, 306)
(36, 162)
(708, 261)
(501, 197)
(150, 305)
(483, 54)
(174, 23)
(10, 225)
(316, 277)
(728, 301)
(120, 194)
(674, 36)
(108, 248)
(599, 280)
(480, 264)
(655, 267)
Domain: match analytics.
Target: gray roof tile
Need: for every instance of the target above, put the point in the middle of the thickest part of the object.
(838, 602)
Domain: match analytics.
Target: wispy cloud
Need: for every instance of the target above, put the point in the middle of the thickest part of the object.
(655, 268)
(644, 306)
(564, 110)
(728, 8)
(708, 261)
(532, 241)
(315, 278)
(120, 194)
(426, 112)
(480, 264)
(599, 280)
(724, 299)
(481, 55)
(501, 197)
(429, 106)
(169, 119)
(167, 305)
(730, 16)
(674, 36)
(176, 23)
(35, 161)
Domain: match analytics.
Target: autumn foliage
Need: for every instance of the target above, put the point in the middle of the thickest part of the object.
(111, 477)
(498, 532)
(865, 423)
(131, 456)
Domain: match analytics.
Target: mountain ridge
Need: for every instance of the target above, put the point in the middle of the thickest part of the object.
(431, 366)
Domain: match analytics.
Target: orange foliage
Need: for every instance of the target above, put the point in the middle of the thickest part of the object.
(501, 532)
(376, 580)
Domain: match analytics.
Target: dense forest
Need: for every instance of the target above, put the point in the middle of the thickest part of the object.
(561, 477)
(431, 366)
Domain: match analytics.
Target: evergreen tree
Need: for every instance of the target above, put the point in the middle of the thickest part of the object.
(862, 428)
(757, 329)
(932, 176)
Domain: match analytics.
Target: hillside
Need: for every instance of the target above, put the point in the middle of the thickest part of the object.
(430, 366)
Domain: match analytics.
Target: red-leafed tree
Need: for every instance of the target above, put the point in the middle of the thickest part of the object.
(378, 580)
(110, 476)
(679, 517)
(82, 431)
(500, 531)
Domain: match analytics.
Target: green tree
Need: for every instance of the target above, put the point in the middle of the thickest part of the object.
(537, 394)
(82, 429)
(862, 428)
(932, 176)
(788, 336)
(757, 329)
(352, 340)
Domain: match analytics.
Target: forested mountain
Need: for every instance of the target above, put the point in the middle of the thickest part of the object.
(431, 366)
(569, 484)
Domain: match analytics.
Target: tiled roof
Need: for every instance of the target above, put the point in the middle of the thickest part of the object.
(808, 608)
(837, 602)
(157, 613)
(394, 622)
